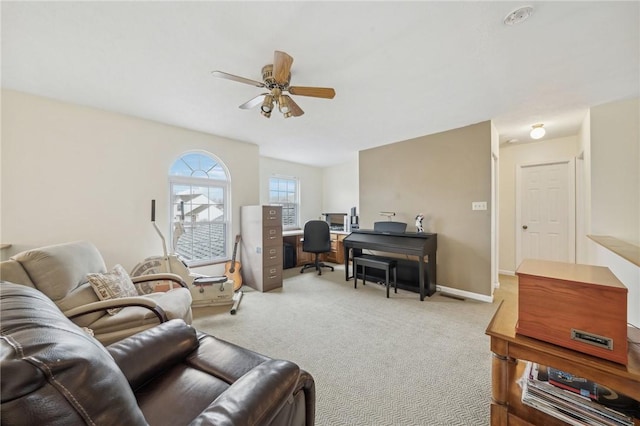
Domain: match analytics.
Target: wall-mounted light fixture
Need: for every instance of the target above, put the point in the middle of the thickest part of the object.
(537, 131)
(387, 214)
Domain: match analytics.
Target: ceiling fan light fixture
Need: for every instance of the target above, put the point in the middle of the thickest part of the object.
(276, 78)
(537, 131)
(267, 104)
(283, 105)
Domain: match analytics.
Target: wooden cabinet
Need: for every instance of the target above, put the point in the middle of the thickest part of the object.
(262, 248)
(303, 256)
(336, 255)
(580, 307)
(510, 350)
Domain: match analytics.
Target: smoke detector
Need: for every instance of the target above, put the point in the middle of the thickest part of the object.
(518, 16)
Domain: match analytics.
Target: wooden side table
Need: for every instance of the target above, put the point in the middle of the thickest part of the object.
(510, 351)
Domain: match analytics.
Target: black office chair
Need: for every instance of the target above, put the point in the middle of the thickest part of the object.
(317, 240)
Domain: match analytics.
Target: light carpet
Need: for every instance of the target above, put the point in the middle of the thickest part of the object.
(375, 361)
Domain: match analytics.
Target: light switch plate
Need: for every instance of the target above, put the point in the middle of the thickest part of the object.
(478, 205)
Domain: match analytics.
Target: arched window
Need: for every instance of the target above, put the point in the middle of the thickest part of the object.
(199, 185)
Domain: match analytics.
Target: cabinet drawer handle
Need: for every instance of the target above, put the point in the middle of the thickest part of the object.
(272, 257)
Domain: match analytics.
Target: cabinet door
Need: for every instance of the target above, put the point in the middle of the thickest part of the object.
(340, 249)
(336, 255)
(271, 277)
(272, 236)
(272, 255)
(271, 216)
(303, 256)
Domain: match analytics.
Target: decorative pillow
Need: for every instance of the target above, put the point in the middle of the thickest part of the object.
(112, 285)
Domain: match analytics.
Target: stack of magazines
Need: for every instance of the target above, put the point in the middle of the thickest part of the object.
(570, 407)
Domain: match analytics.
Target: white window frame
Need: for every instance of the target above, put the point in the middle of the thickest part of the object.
(296, 204)
(222, 184)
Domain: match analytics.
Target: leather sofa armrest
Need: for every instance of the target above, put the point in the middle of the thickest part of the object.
(120, 302)
(255, 398)
(307, 385)
(144, 354)
(160, 277)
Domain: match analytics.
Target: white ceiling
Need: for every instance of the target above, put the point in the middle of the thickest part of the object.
(400, 69)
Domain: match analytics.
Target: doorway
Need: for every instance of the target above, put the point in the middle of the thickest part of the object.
(545, 211)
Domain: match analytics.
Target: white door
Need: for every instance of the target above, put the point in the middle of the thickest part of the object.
(545, 212)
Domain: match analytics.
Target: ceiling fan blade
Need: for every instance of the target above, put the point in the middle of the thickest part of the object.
(296, 111)
(254, 102)
(281, 67)
(228, 76)
(316, 92)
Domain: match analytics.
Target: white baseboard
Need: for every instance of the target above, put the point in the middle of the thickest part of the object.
(465, 294)
(505, 272)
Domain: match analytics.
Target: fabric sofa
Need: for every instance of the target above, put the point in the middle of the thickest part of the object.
(62, 273)
(54, 373)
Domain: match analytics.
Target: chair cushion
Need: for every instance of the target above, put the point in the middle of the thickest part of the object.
(12, 271)
(112, 285)
(175, 303)
(58, 269)
(199, 379)
(82, 295)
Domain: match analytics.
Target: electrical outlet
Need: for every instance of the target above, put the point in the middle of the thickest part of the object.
(478, 205)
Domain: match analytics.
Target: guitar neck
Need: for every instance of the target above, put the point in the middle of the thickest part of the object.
(235, 250)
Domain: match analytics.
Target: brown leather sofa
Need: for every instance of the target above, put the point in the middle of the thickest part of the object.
(52, 372)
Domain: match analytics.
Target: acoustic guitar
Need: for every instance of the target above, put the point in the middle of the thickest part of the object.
(232, 268)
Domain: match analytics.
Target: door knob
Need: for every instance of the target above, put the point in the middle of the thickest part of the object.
(524, 226)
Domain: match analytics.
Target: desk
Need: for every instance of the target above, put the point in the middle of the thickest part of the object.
(509, 347)
(294, 237)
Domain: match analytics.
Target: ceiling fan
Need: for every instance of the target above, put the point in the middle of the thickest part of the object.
(276, 77)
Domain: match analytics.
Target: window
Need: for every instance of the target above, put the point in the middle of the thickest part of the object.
(199, 185)
(283, 191)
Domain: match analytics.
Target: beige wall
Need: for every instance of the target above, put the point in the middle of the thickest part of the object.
(511, 157)
(583, 190)
(615, 170)
(439, 175)
(70, 172)
(615, 190)
(341, 187)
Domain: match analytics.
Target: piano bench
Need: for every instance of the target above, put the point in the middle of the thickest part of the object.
(377, 262)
